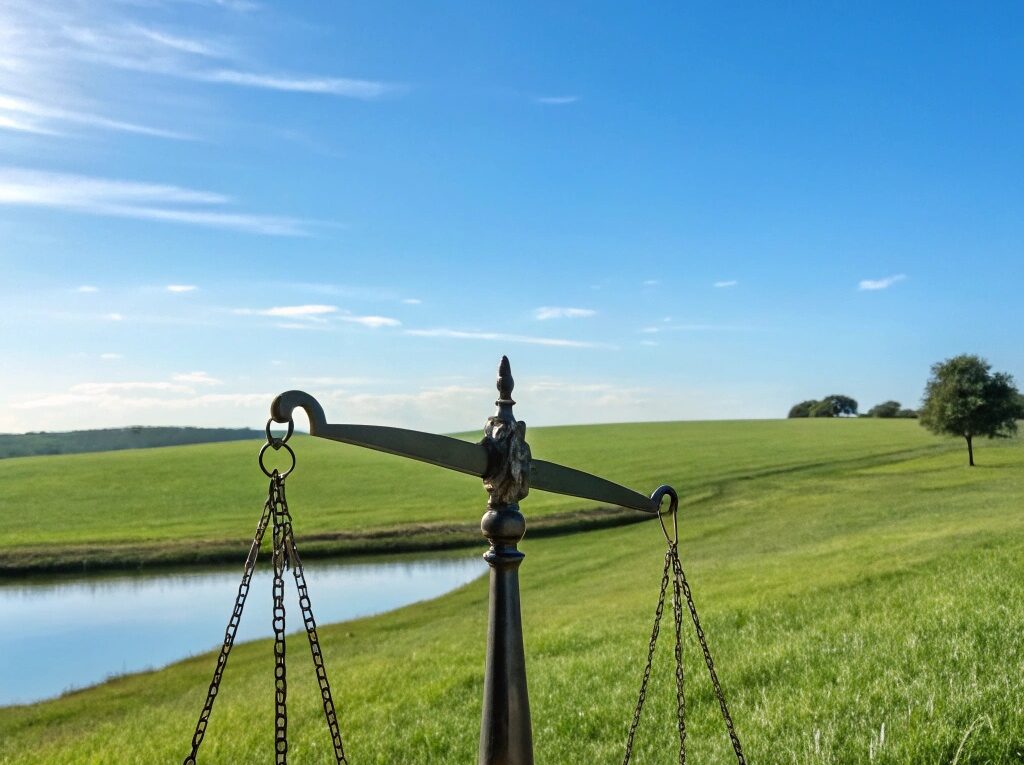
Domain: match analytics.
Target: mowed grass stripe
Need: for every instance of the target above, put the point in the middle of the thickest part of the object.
(867, 614)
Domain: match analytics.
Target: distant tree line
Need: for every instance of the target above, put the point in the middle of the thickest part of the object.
(112, 439)
(838, 405)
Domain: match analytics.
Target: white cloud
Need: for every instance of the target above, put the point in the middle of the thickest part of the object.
(22, 126)
(87, 288)
(199, 47)
(319, 314)
(651, 330)
(412, 301)
(880, 284)
(181, 288)
(372, 321)
(130, 199)
(729, 283)
(297, 325)
(557, 100)
(652, 282)
(155, 51)
(313, 311)
(549, 312)
(114, 317)
(299, 310)
(335, 86)
(99, 389)
(334, 382)
(196, 378)
(501, 337)
(40, 116)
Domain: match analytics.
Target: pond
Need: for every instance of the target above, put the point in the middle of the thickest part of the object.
(66, 633)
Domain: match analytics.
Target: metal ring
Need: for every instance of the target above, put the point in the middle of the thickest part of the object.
(270, 473)
(673, 509)
(278, 441)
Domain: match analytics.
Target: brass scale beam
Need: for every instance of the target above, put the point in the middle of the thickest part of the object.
(502, 459)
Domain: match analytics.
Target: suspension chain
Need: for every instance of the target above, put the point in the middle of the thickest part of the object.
(642, 697)
(284, 554)
(314, 641)
(230, 631)
(680, 590)
(280, 668)
(730, 728)
(677, 613)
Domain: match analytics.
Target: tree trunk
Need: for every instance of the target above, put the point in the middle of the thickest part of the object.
(970, 449)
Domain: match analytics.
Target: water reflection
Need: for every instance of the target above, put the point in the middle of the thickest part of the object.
(66, 634)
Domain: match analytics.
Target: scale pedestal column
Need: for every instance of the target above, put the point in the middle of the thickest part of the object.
(505, 733)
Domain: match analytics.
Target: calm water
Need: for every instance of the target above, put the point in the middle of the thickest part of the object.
(71, 633)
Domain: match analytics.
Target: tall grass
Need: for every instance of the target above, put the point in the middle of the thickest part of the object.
(861, 609)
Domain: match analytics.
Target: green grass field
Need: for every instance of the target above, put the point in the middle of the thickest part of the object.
(862, 589)
(200, 503)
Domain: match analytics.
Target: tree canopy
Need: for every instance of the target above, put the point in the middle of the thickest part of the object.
(889, 409)
(803, 409)
(965, 398)
(833, 405)
(885, 409)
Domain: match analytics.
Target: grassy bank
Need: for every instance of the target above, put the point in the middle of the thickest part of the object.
(861, 609)
(199, 504)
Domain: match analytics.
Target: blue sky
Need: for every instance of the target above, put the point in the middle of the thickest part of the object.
(664, 211)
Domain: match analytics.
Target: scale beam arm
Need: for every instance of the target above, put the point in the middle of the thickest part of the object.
(479, 459)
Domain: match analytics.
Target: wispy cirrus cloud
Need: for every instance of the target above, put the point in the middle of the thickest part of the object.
(158, 51)
(181, 288)
(726, 283)
(556, 100)
(131, 199)
(20, 125)
(371, 321)
(455, 334)
(54, 52)
(31, 116)
(319, 314)
(554, 312)
(880, 284)
(314, 311)
(334, 86)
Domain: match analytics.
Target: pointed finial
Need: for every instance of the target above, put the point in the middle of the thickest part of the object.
(505, 385)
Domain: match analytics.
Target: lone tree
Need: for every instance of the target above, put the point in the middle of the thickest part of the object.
(965, 398)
